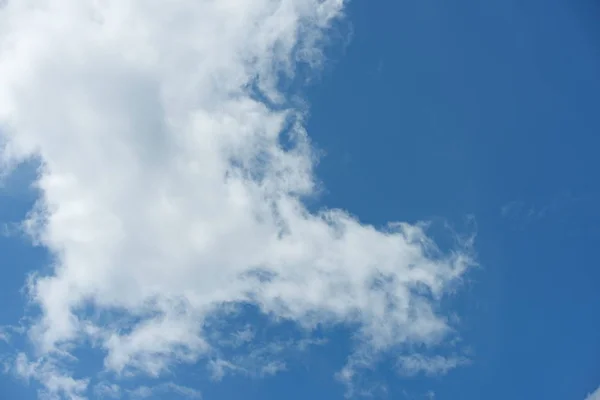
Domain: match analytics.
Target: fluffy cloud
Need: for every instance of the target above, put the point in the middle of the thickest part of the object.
(172, 176)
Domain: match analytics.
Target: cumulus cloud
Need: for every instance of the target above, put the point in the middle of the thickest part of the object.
(172, 175)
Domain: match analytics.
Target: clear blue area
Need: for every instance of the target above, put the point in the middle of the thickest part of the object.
(441, 110)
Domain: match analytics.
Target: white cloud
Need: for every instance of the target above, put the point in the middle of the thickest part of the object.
(435, 365)
(4, 336)
(258, 360)
(165, 193)
(594, 396)
(182, 391)
(56, 383)
(106, 390)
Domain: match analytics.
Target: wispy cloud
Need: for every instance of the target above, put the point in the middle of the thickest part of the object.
(258, 360)
(48, 372)
(594, 396)
(166, 192)
(434, 365)
(145, 392)
(524, 213)
(4, 336)
(106, 390)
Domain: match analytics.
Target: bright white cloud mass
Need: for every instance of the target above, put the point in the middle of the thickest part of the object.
(169, 191)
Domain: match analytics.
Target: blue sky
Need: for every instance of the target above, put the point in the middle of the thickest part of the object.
(477, 115)
(473, 108)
